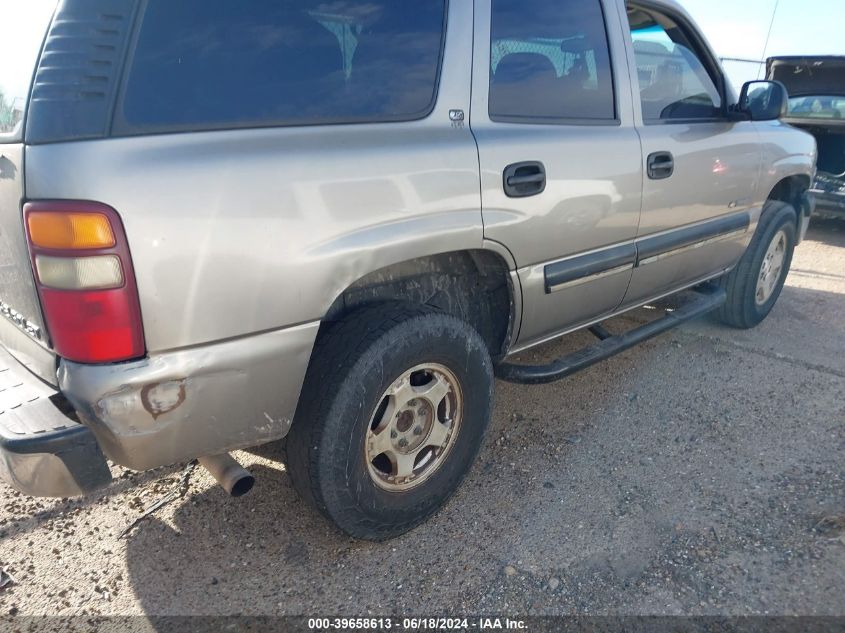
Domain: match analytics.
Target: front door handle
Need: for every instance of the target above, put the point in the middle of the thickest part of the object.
(524, 179)
(661, 165)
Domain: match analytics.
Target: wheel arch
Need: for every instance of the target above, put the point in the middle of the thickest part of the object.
(791, 189)
(474, 284)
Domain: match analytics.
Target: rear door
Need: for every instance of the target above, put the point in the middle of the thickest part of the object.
(701, 168)
(561, 176)
(23, 24)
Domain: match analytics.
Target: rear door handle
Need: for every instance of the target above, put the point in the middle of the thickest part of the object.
(661, 165)
(525, 179)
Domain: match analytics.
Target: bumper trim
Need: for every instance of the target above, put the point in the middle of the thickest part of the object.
(44, 450)
(53, 462)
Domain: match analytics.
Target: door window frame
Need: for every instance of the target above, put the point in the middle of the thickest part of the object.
(700, 49)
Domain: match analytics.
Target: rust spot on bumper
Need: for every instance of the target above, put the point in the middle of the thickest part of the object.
(163, 397)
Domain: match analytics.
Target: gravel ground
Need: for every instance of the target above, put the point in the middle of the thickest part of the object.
(701, 473)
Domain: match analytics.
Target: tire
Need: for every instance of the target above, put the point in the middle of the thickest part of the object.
(353, 394)
(748, 303)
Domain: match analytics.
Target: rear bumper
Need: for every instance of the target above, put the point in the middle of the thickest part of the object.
(827, 202)
(165, 409)
(44, 451)
(69, 464)
(176, 406)
(829, 193)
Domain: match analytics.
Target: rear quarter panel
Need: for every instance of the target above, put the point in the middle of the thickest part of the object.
(22, 330)
(244, 231)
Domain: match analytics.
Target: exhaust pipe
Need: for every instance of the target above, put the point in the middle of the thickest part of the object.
(232, 477)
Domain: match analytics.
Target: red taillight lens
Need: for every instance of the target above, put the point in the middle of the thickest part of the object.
(92, 327)
(88, 293)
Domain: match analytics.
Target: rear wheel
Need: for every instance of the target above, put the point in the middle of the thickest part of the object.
(753, 287)
(393, 412)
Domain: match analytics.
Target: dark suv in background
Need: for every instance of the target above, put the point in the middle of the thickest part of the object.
(816, 88)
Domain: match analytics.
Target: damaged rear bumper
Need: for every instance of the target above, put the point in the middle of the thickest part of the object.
(63, 464)
(44, 450)
(206, 400)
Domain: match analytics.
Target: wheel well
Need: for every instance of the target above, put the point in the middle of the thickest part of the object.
(474, 285)
(790, 190)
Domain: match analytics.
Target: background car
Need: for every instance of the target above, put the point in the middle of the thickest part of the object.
(817, 105)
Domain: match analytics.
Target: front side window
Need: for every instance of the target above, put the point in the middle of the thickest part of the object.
(549, 59)
(205, 64)
(673, 82)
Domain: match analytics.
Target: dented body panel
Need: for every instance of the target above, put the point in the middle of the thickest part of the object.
(240, 231)
(197, 401)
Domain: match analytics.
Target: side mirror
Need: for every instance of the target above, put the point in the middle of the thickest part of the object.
(764, 100)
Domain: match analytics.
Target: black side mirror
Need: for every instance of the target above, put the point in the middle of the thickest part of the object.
(764, 100)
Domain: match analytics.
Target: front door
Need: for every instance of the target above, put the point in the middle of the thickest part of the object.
(701, 169)
(561, 174)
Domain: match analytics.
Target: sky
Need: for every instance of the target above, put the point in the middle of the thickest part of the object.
(735, 28)
(738, 28)
(22, 29)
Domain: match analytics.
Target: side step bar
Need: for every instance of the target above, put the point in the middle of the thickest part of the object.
(711, 297)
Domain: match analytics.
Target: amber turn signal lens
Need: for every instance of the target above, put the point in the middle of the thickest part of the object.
(74, 231)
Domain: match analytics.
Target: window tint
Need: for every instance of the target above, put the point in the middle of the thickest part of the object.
(550, 60)
(673, 82)
(217, 63)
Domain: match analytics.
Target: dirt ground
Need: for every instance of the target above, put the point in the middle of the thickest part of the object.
(701, 473)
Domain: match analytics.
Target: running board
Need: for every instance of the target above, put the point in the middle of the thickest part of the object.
(711, 298)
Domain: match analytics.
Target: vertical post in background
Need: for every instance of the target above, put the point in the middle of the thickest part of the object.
(768, 36)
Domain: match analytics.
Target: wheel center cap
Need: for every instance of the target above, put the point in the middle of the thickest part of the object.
(405, 422)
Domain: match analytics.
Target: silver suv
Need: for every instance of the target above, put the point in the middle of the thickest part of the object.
(337, 220)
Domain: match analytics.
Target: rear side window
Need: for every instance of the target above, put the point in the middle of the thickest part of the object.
(549, 59)
(23, 24)
(206, 64)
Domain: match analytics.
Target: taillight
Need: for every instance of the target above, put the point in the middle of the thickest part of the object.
(84, 274)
